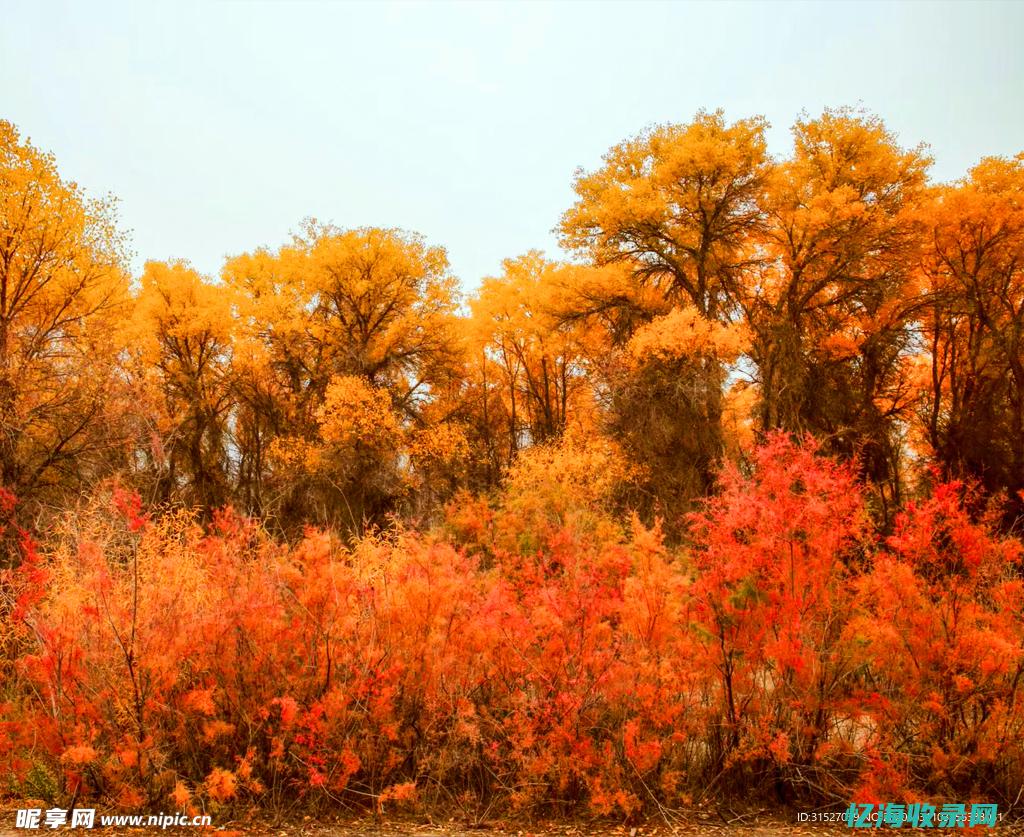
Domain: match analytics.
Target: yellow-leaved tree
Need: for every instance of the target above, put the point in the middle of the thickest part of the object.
(528, 368)
(63, 286)
(678, 208)
(973, 416)
(350, 326)
(179, 345)
(832, 307)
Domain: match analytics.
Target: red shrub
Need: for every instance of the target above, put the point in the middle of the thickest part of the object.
(148, 660)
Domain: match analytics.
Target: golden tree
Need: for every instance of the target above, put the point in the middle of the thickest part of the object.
(528, 365)
(180, 339)
(974, 274)
(336, 306)
(63, 285)
(678, 207)
(832, 308)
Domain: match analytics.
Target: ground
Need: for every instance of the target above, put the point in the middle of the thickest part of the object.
(704, 824)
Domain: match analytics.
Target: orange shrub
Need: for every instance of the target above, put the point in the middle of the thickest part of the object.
(154, 661)
(940, 635)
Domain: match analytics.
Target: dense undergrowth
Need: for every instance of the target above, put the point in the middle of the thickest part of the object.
(533, 655)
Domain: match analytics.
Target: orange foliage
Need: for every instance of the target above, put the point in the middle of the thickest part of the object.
(559, 660)
(729, 507)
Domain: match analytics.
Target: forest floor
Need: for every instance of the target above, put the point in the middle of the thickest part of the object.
(702, 824)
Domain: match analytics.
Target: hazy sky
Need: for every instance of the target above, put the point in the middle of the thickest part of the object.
(220, 126)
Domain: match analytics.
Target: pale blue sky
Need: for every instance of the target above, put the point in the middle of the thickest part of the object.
(221, 125)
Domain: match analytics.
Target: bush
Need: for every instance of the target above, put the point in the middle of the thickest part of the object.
(781, 652)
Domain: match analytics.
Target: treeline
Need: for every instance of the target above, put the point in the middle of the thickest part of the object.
(720, 294)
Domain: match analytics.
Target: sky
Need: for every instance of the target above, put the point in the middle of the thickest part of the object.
(220, 126)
